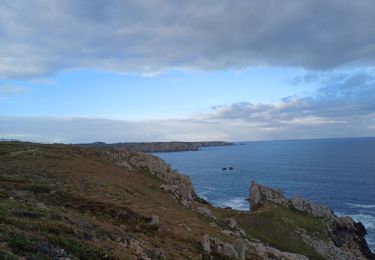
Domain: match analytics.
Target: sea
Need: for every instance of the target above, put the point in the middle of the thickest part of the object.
(338, 173)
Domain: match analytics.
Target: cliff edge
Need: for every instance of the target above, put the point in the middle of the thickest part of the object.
(346, 238)
(69, 202)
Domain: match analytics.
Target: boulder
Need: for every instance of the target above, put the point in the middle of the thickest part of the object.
(205, 211)
(240, 247)
(231, 222)
(206, 243)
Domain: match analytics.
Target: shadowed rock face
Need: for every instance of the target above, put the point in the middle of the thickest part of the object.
(347, 237)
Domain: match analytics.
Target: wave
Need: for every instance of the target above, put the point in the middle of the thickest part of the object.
(363, 206)
(367, 220)
(238, 203)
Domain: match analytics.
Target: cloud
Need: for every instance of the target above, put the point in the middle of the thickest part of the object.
(343, 106)
(9, 90)
(42, 37)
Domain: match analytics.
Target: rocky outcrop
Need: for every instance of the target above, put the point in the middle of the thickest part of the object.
(260, 194)
(239, 249)
(347, 237)
(153, 147)
(179, 185)
(212, 245)
(266, 252)
(311, 208)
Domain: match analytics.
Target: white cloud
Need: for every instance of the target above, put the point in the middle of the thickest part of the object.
(339, 108)
(8, 90)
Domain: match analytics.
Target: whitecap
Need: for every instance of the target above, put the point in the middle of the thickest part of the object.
(363, 206)
(238, 203)
(367, 220)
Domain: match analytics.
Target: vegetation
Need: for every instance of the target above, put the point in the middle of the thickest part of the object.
(67, 201)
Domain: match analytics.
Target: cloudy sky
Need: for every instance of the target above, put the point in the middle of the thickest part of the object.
(161, 70)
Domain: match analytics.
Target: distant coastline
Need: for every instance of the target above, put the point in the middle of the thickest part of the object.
(155, 147)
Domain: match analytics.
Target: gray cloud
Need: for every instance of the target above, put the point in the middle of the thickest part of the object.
(344, 105)
(41, 37)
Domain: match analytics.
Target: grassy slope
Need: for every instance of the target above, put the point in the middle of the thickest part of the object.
(78, 201)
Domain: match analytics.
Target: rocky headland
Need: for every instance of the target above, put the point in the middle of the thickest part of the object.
(154, 147)
(346, 238)
(71, 202)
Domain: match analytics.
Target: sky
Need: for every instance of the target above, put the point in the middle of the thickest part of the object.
(164, 70)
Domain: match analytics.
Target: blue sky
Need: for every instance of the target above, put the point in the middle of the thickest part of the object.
(84, 71)
(94, 93)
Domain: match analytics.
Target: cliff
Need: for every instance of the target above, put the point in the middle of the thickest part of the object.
(70, 202)
(346, 238)
(154, 147)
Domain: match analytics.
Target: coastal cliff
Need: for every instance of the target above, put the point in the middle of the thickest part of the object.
(346, 238)
(153, 147)
(71, 202)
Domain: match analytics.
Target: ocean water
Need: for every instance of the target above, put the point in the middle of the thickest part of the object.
(338, 173)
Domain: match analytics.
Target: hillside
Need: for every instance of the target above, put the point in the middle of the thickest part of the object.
(70, 202)
(154, 147)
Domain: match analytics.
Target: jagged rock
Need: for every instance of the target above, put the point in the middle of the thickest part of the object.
(240, 247)
(174, 182)
(311, 208)
(254, 196)
(347, 237)
(260, 193)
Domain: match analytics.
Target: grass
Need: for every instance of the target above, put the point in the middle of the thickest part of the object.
(39, 188)
(90, 203)
(278, 226)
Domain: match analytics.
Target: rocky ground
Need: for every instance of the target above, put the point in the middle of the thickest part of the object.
(69, 202)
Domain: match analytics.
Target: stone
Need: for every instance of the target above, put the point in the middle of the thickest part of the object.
(254, 196)
(154, 220)
(240, 247)
(266, 252)
(205, 211)
(231, 222)
(206, 243)
(228, 250)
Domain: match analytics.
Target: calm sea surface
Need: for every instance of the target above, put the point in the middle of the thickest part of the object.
(338, 173)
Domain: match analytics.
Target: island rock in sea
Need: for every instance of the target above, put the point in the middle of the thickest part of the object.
(346, 237)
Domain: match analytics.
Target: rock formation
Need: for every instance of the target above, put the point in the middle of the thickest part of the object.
(174, 182)
(154, 147)
(347, 237)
